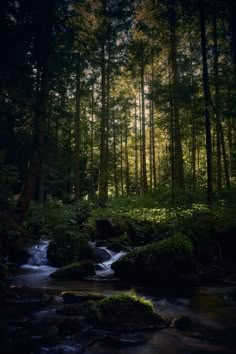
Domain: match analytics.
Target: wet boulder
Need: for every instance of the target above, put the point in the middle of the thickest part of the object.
(126, 311)
(182, 323)
(108, 228)
(70, 297)
(66, 249)
(75, 271)
(101, 255)
(149, 263)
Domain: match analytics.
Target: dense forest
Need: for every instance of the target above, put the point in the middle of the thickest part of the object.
(117, 166)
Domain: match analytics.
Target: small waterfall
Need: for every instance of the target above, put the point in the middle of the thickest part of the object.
(38, 253)
(103, 269)
(38, 262)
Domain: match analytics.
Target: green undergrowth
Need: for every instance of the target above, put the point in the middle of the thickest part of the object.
(152, 216)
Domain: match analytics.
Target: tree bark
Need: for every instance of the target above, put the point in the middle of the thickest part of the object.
(144, 164)
(103, 135)
(217, 104)
(35, 162)
(179, 167)
(78, 132)
(206, 90)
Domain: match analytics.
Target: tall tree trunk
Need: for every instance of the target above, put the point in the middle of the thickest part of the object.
(154, 171)
(127, 174)
(193, 120)
(92, 147)
(217, 104)
(179, 166)
(206, 90)
(121, 162)
(226, 164)
(115, 154)
(103, 135)
(150, 146)
(140, 139)
(78, 132)
(144, 164)
(136, 147)
(35, 162)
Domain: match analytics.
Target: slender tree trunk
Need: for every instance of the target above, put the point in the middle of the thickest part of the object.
(217, 105)
(226, 164)
(150, 142)
(127, 174)
(140, 141)
(153, 130)
(206, 103)
(193, 121)
(136, 147)
(78, 132)
(92, 147)
(179, 167)
(35, 162)
(103, 135)
(144, 164)
(121, 162)
(115, 154)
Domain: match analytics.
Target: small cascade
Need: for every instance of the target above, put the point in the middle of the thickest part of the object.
(103, 268)
(37, 267)
(38, 253)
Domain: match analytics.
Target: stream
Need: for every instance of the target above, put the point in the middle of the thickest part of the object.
(212, 310)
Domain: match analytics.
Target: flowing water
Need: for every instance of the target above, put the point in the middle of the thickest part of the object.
(212, 310)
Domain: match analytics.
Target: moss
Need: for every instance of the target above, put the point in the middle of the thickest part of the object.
(125, 310)
(166, 260)
(75, 271)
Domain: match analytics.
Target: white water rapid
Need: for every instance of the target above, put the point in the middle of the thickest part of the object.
(103, 269)
(37, 266)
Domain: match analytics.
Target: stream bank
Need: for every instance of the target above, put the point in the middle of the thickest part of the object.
(37, 320)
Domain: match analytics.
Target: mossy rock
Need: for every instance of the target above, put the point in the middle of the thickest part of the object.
(126, 311)
(164, 261)
(68, 248)
(75, 271)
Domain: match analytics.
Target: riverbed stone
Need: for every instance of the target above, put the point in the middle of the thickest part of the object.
(70, 297)
(126, 311)
(182, 323)
(75, 271)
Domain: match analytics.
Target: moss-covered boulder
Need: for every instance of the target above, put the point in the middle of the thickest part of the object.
(68, 248)
(126, 311)
(166, 261)
(75, 271)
